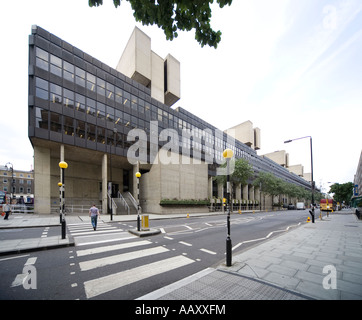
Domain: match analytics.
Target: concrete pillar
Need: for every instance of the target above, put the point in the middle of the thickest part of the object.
(42, 177)
(251, 193)
(245, 192)
(238, 191)
(104, 184)
(220, 190)
(209, 192)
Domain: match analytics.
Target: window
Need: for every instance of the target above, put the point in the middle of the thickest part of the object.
(41, 88)
(68, 71)
(109, 113)
(68, 98)
(80, 129)
(55, 122)
(79, 102)
(56, 65)
(29, 190)
(134, 101)
(42, 59)
(118, 95)
(118, 116)
(80, 76)
(41, 118)
(101, 138)
(91, 82)
(101, 87)
(91, 107)
(91, 132)
(101, 110)
(55, 93)
(126, 99)
(68, 126)
(110, 91)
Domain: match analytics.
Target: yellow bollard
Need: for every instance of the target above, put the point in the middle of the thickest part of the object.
(188, 216)
(240, 212)
(308, 220)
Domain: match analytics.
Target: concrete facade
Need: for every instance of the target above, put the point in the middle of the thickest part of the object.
(85, 112)
(245, 133)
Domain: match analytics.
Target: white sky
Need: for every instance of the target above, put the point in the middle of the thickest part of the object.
(291, 67)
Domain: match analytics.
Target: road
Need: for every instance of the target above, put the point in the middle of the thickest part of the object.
(110, 263)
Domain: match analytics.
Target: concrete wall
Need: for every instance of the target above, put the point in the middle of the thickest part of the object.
(173, 181)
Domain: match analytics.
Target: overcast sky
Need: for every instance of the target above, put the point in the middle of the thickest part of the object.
(293, 68)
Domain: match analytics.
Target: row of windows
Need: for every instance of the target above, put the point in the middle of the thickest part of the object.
(20, 181)
(21, 190)
(21, 175)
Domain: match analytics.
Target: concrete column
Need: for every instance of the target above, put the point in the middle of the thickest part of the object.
(220, 190)
(104, 184)
(238, 191)
(209, 193)
(245, 192)
(251, 193)
(42, 177)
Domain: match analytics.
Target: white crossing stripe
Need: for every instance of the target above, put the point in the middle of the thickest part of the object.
(96, 263)
(185, 243)
(208, 251)
(85, 252)
(105, 284)
(94, 232)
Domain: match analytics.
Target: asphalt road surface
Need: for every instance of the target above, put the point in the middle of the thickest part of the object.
(111, 263)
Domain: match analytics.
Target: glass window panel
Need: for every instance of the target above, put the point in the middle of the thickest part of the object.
(101, 110)
(40, 53)
(68, 126)
(41, 118)
(91, 132)
(80, 129)
(118, 95)
(68, 98)
(109, 113)
(42, 64)
(101, 137)
(56, 70)
(134, 101)
(91, 107)
(91, 82)
(118, 116)
(79, 102)
(55, 93)
(55, 122)
(55, 61)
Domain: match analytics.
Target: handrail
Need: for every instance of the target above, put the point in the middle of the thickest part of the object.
(124, 202)
(133, 200)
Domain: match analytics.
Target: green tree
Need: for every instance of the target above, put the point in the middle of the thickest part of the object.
(243, 171)
(342, 192)
(173, 15)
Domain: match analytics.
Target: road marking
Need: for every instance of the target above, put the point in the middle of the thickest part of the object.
(208, 224)
(114, 281)
(185, 243)
(176, 285)
(96, 263)
(169, 238)
(162, 230)
(188, 227)
(85, 252)
(25, 255)
(20, 278)
(267, 237)
(122, 236)
(208, 251)
(93, 232)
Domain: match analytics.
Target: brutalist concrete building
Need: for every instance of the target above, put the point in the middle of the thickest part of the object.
(108, 123)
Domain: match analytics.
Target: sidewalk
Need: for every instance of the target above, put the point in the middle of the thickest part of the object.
(287, 267)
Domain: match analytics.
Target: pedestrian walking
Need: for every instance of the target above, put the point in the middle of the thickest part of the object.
(7, 210)
(94, 213)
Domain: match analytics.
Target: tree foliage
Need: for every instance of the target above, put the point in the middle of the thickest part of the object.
(342, 192)
(174, 15)
(242, 172)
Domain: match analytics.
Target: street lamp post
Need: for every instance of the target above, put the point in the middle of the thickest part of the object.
(63, 165)
(227, 154)
(138, 175)
(311, 165)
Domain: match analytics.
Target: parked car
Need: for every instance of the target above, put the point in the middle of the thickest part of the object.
(291, 206)
(300, 206)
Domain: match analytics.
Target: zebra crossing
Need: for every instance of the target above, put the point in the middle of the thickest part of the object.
(97, 254)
